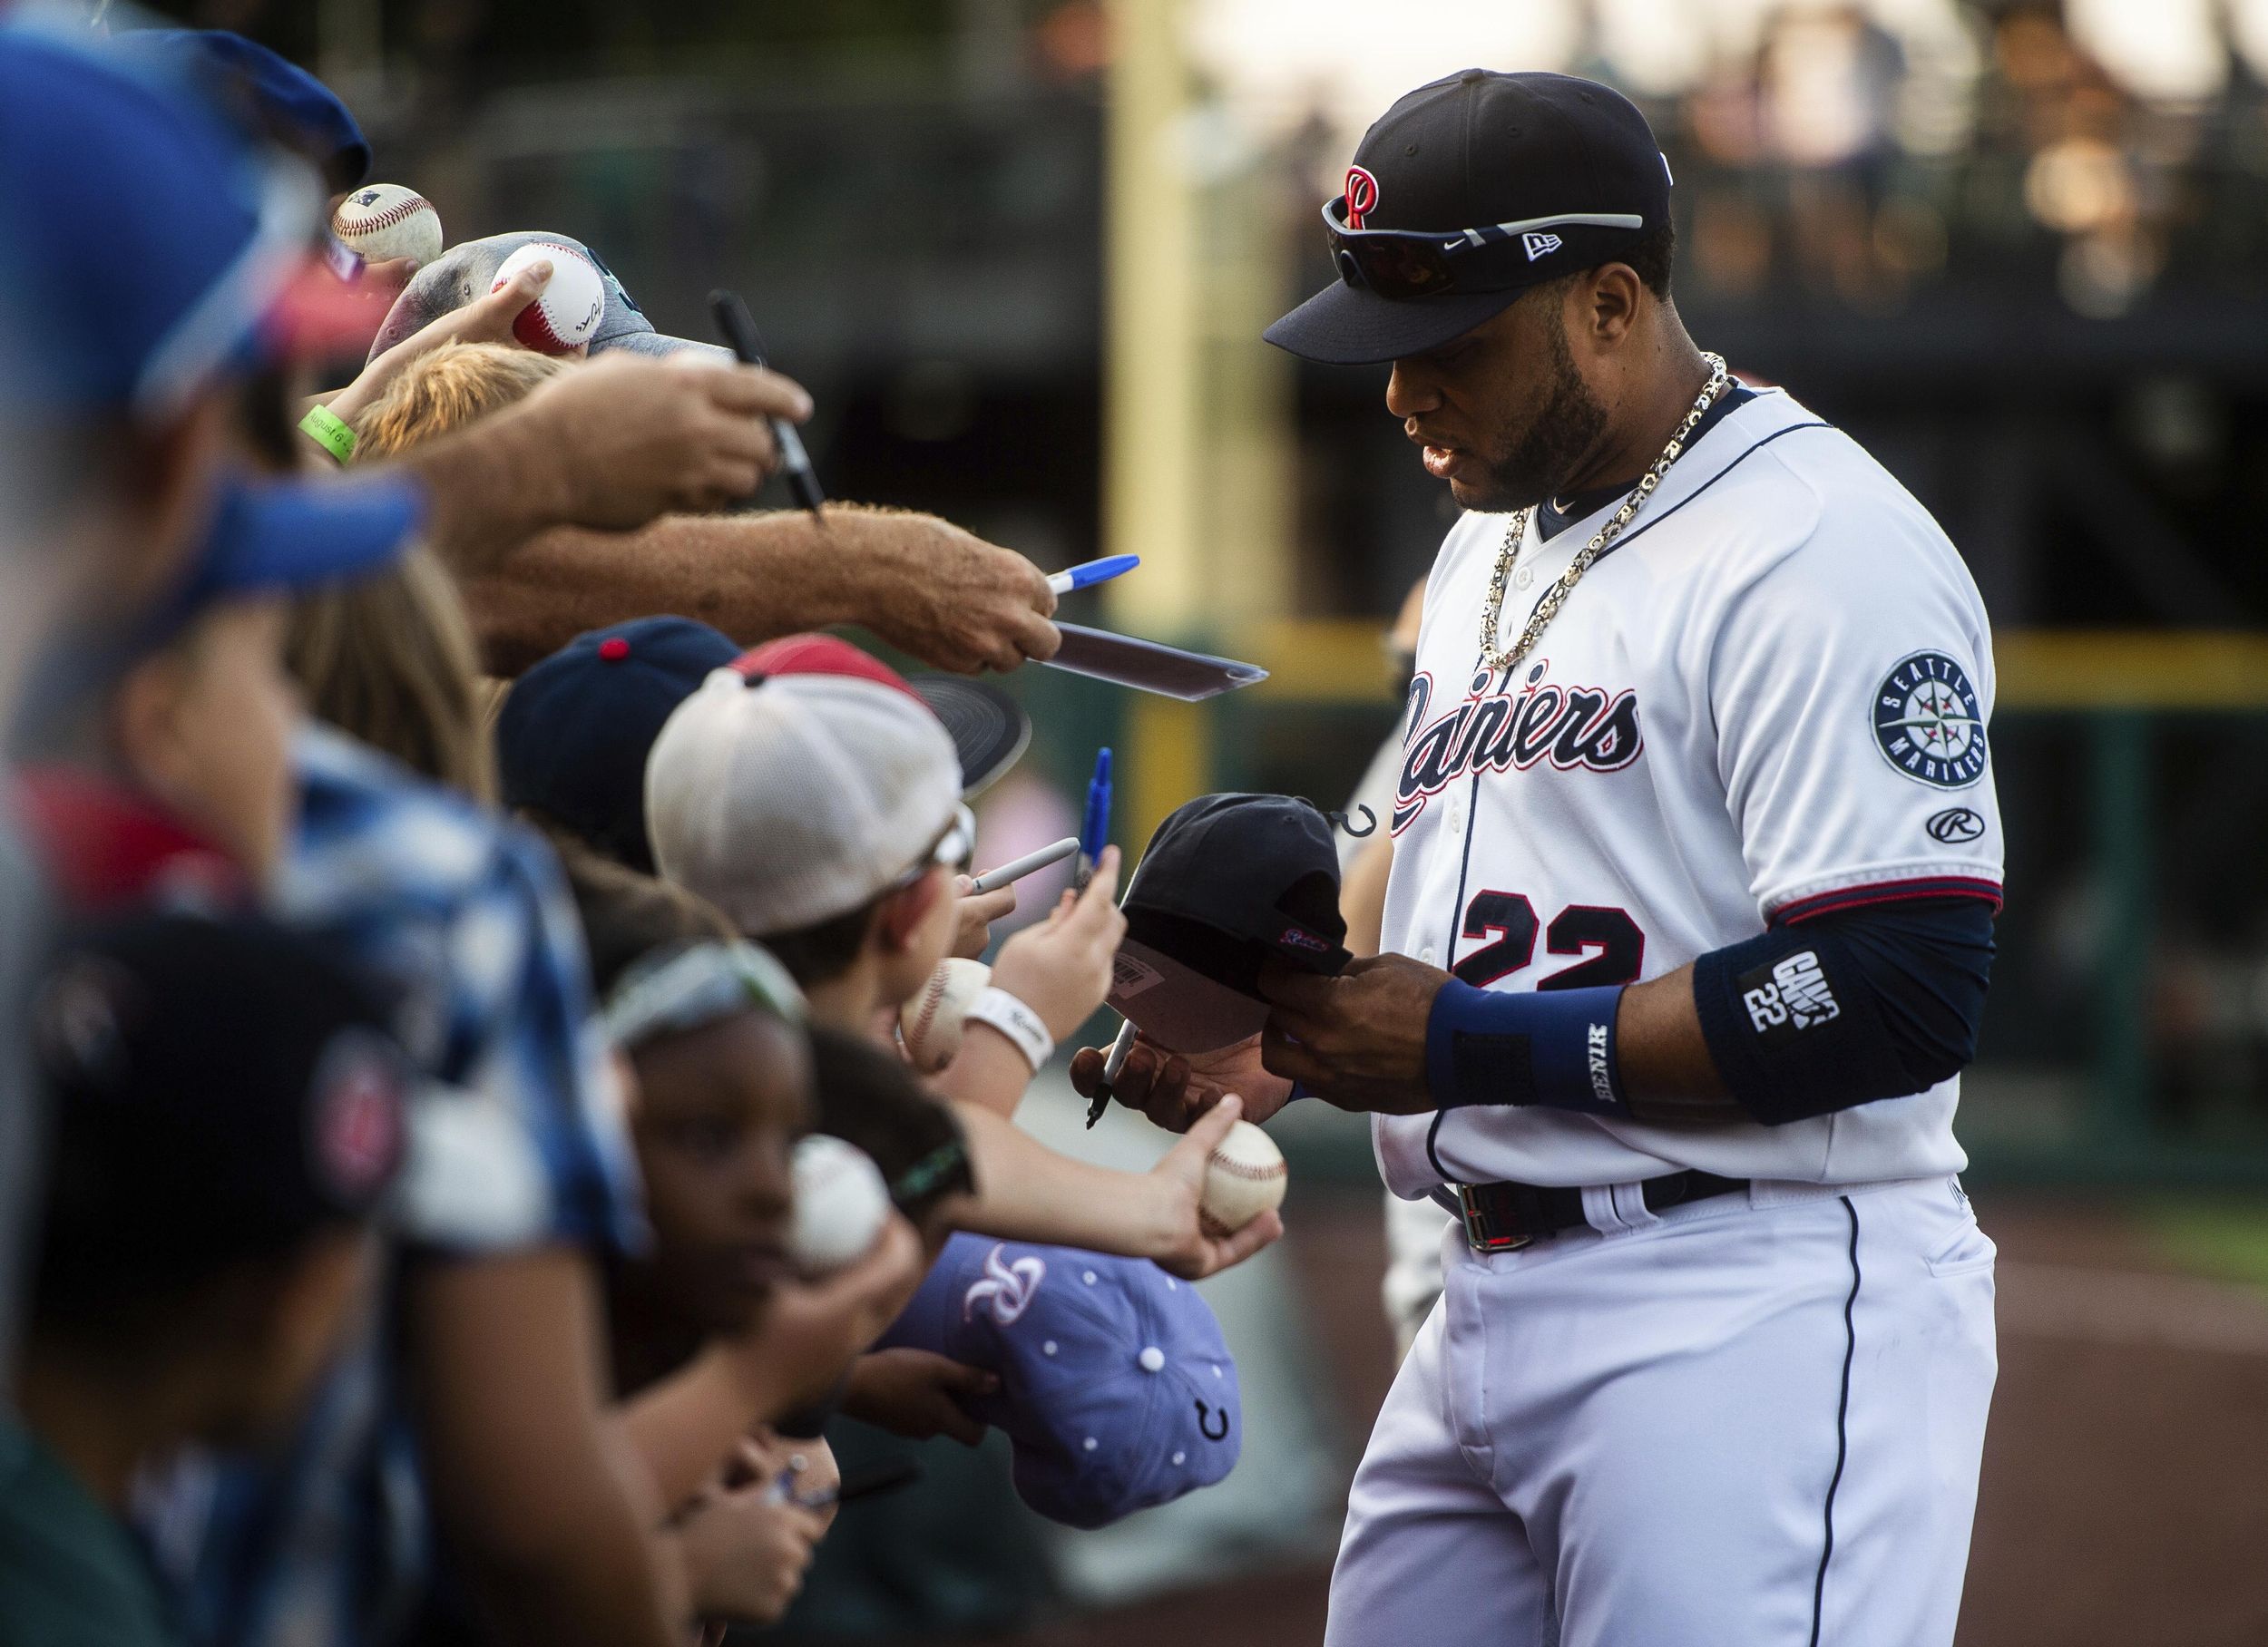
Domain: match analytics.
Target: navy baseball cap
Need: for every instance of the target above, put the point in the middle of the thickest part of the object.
(222, 1086)
(1116, 1386)
(144, 243)
(1227, 883)
(574, 732)
(271, 91)
(1467, 193)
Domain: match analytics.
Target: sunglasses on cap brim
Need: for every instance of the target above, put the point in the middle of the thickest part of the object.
(1404, 263)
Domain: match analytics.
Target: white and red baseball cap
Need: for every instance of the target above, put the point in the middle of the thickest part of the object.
(799, 783)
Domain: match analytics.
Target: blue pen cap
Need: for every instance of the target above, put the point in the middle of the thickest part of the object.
(1094, 828)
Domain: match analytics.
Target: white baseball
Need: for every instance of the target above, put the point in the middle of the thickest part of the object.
(840, 1203)
(567, 312)
(386, 220)
(1244, 1177)
(930, 1023)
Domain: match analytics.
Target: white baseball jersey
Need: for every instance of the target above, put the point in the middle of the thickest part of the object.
(1766, 699)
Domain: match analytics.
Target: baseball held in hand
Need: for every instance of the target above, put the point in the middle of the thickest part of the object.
(840, 1204)
(930, 1023)
(385, 222)
(1245, 1176)
(563, 317)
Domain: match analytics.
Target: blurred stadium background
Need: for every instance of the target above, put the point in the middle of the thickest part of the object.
(1021, 252)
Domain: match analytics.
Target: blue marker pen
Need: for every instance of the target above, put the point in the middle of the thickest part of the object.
(1094, 829)
(1087, 575)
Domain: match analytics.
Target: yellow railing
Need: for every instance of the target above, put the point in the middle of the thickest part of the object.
(1333, 661)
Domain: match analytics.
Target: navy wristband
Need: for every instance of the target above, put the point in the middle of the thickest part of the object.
(1555, 1047)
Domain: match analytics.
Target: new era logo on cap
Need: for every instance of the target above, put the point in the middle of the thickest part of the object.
(1539, 244)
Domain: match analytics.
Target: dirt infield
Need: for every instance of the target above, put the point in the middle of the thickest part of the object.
(2126, 1486)
(2126, 1480)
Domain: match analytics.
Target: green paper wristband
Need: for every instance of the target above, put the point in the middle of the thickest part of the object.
(329, 431)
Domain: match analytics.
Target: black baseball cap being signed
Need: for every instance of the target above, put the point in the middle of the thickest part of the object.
(1464, 194)
(1228, 884)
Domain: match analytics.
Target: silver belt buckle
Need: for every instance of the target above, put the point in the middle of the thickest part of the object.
(1479, 1236)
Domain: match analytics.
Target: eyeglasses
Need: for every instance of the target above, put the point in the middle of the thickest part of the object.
(1405, 263)
(955, 849)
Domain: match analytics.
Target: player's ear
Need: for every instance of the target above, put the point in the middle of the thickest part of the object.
(1615, 292)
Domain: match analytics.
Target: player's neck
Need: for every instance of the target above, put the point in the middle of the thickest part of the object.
(1662, 393)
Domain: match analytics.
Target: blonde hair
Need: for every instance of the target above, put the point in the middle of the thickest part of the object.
(393, 660)
(445, 389)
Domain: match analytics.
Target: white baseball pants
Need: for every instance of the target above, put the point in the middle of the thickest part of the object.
(1752, 1421)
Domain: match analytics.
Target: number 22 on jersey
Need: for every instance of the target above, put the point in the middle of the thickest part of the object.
(1614, 947)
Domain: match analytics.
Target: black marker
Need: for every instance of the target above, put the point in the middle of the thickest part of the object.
(738, 327)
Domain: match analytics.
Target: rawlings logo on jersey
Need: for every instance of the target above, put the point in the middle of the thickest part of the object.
(1588, 728)
(1928, 722)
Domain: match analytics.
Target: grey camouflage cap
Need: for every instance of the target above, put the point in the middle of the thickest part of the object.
(467, 271)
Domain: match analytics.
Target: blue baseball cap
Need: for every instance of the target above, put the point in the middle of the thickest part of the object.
(574, 732)
(291, 536)
(299, 110)
(287, 537)
(144, 241)
(1117, 1389)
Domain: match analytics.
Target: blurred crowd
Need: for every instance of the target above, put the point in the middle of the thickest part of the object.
(1856, 152)
(460, 1154)
(1859, 161)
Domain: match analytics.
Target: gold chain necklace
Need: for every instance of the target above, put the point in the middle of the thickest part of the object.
(1555, 597)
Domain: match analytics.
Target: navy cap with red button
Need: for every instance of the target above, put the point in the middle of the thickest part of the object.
(573, 737)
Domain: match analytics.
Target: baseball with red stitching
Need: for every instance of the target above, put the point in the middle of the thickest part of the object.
(1245, 1176)
(930, 1023)
(386, 220)
(563, 317)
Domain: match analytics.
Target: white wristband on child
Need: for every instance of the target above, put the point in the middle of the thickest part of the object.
(1018, 1022)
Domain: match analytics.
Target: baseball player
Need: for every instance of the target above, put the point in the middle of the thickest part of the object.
(1685, 940)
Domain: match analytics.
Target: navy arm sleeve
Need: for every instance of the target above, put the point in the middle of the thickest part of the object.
(1879, 1001)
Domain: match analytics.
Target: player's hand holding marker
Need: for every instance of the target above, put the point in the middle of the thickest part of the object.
(1175, 1089)
(1356, 1041)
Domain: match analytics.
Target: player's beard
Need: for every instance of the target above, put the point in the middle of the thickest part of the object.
(1550, 452)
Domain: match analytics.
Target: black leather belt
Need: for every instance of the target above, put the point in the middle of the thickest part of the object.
(1506, 1217)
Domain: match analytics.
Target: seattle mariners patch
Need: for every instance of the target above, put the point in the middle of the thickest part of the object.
(1928, 722)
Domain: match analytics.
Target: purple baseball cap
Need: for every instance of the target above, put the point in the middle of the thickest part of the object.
(1117, 1389)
